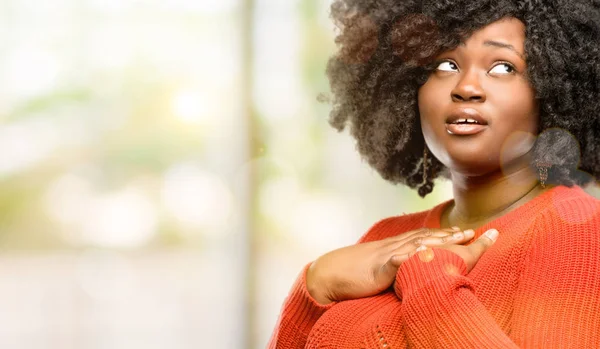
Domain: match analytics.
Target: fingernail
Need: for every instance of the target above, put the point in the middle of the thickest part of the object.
(492, 234)
(456, 228)
(421, 248)
(469, 233)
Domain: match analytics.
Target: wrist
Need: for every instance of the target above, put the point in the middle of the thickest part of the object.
(435, 266)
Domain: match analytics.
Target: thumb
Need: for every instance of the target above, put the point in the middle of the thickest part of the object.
(396, 260)
(484, 242)
(389, 269)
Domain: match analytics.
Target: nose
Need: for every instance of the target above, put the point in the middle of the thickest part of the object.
(468, 89)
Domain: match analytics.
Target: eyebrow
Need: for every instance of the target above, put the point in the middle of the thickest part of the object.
(503, 45)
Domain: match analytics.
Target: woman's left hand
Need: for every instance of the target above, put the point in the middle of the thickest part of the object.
(472, 252)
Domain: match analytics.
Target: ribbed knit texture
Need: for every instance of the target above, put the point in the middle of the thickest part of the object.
(538, 286)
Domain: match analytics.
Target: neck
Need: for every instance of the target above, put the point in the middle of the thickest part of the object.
(478, 200)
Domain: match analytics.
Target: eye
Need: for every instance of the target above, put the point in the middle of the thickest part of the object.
(447, 66)
(503, 68)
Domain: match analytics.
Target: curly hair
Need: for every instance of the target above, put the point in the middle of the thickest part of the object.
(385, 53)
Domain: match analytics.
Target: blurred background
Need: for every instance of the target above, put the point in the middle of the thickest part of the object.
(166, 170)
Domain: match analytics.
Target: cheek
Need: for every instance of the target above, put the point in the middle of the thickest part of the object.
(518, 123)
(521, 108)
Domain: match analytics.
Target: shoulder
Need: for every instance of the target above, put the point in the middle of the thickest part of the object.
(571, 207)
(392, 226)
(565, 245)
(571, 217)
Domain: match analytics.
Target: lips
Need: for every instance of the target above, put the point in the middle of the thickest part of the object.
(465, 122)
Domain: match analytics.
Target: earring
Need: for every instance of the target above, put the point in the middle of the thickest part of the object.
(427, 185)
(425, 164)
(543, 167)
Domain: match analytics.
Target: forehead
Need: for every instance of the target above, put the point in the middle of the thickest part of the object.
(507, 30)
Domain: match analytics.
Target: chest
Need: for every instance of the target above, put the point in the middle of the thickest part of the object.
(377, 322)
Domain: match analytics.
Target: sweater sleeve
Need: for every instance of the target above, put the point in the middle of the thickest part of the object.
(556, 304)
(440, 309)
(299, 313)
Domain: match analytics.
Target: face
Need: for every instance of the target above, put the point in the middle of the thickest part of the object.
(478, 111)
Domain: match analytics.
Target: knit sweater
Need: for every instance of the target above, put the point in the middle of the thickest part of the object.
(538, 286)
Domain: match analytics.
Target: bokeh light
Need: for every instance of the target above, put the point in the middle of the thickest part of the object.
(198, 200)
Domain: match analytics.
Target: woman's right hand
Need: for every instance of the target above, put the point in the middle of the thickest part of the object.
(369, 268)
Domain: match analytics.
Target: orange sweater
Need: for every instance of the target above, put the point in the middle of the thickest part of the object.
(538, 286)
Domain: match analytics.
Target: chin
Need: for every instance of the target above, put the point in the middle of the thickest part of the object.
(473, 169)
(472, 163)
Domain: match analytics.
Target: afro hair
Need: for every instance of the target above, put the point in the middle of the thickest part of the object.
(385, 53)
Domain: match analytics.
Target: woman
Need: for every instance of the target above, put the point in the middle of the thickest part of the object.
(501, 97)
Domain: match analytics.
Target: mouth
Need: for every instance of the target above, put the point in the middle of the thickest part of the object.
(465, 122)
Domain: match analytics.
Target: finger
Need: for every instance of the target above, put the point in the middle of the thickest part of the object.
(425, 232)
(395, 242)
(419, 241)
(405, 250)
(425, 236)
(428, 232)
(390, 268)
(483, 243)
(438, 239)
(460, 237)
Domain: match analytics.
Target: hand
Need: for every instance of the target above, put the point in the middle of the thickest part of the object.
(367, 269)
(471, 253)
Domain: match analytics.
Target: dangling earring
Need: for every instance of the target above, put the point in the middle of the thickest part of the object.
(424, 164)
(427, 185)
(543, 167)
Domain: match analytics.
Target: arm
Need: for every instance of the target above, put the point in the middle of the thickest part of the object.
(440, 308)
(299, 313)
(557, 303)
(357, 271)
